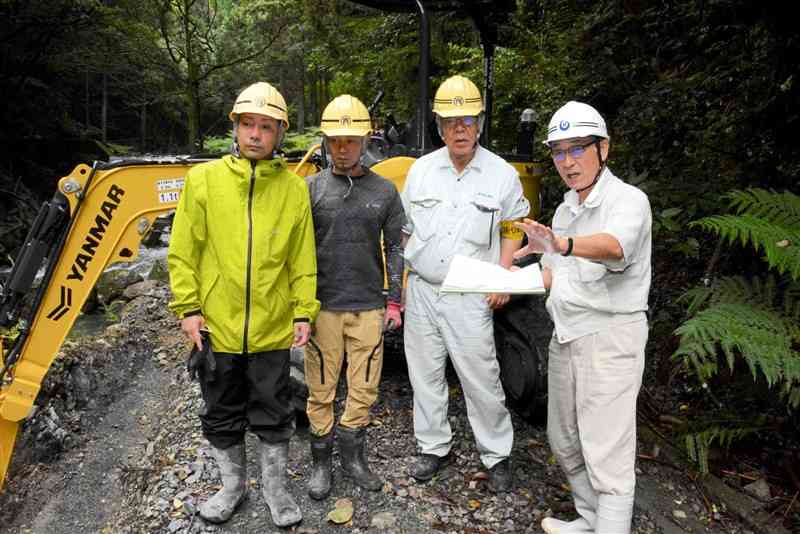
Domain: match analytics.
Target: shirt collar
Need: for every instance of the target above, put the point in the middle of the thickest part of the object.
(476, 163)
(596, 195)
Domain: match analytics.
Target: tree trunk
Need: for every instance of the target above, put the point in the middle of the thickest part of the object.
(312, 93)
(143, 118)
(193, 109)
(301, 100)
(86, 99)
(104, 114)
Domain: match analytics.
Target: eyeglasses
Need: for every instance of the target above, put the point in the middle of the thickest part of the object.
(574, 151)
(452, 122)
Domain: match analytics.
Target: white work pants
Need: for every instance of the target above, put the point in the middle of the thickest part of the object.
(593, 383)
(461, 326)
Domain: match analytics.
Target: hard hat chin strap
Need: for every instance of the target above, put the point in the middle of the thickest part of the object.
(364, 143)
(599, 172)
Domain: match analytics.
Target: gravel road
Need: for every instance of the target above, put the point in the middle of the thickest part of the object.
(115, 447)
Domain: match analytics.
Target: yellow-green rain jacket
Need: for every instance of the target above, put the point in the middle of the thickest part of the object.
(242, 253)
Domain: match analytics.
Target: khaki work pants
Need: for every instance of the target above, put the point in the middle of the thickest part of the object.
(357, 334)
(592, 386)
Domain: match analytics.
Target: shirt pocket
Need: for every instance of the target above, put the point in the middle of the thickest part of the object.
(589, 271)
(423, 216)
(483, 218)
(588, 283)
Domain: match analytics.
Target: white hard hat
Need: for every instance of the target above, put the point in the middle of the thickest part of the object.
(575, 119)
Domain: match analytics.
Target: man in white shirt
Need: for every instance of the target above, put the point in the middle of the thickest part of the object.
(596, 264)
(460, 199)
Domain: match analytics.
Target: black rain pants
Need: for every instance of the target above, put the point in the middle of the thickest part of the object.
(247, 391)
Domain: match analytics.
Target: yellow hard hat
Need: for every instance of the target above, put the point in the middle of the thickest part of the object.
(345, 115)
(457, 97)
(262, 99)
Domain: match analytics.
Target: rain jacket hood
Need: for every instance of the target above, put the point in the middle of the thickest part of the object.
(242, 253)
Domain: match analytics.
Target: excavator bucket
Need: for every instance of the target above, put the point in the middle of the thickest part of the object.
(8, 435)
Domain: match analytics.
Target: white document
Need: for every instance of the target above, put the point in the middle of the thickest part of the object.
(468, 275)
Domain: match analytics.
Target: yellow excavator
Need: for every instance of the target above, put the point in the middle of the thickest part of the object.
(100, 214)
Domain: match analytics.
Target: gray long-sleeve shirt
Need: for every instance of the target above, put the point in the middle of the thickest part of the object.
(349, 221)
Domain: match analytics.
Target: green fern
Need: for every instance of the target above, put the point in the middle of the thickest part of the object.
(739, 321)
(767, 221)
(698, 443)
(756, 320)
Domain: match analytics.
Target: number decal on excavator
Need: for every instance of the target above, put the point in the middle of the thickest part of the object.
(96, 233)
(169, 190)
(169, 197)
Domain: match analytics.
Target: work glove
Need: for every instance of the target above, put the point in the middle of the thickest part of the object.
(393, 317)
(204, 358)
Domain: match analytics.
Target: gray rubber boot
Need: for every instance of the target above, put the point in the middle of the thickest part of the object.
(585, 503)
(281, 504)
(352, 449)
(232, 469)
(319, 487)
(614, 514)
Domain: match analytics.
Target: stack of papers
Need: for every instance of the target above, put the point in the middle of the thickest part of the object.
(468, 275)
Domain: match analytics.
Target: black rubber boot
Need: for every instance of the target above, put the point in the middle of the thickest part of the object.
(352, 448)
(319, 487)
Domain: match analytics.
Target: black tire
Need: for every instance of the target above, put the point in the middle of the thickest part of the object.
(523, 366)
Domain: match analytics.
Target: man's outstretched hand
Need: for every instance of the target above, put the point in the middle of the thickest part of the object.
(541, 239)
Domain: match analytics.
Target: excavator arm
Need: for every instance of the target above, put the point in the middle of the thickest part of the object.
(98, 217)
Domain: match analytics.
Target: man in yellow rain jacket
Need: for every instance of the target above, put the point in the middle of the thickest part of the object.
(243, 274)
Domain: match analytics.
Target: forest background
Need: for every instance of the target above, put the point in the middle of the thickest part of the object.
(701, 97)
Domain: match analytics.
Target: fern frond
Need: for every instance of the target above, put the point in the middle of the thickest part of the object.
(696, 297)
(698, 442)
(767, 221)
(780, 244)
(759, 335)
(782, 209)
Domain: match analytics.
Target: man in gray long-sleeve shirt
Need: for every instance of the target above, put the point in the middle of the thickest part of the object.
(352, 208)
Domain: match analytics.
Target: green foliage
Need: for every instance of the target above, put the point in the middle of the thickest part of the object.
(741, 319)
(767, 221)
(698, 443)
(299, 143)
(218, 144)
(755, 321)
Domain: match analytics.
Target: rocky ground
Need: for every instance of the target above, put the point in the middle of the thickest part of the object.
(115, 447)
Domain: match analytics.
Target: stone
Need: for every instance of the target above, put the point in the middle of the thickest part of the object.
(383, 520)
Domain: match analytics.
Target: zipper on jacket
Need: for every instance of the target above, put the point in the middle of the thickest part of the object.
(249, 256)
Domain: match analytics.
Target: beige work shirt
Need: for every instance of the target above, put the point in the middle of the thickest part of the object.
(589, 296)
